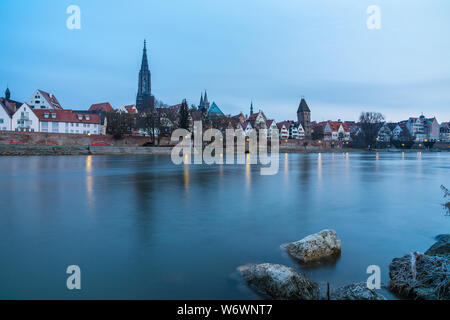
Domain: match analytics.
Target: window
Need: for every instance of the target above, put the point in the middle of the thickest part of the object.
(55, 127)
(46, 115)
(42, 107)
(1, 121)
(80, 117)
(88, 117)
(54, 115)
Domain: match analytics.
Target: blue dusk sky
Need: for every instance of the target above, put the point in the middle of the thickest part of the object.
(270, 51)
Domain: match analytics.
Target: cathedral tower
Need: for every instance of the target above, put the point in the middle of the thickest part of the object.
(144, 100)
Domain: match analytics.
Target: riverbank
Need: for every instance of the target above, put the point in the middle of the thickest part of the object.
(57, 150)
(32, 150)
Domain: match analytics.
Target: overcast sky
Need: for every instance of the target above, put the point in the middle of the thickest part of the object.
(270, 51)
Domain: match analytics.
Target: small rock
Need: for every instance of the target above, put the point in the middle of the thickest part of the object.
(356, 291)
(279, 282)
(324, 244)
(440, 248)
(419, 276)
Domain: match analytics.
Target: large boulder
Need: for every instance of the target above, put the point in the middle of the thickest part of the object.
(315, 247)
(441, 247)
(420, 276)
(279, 282)
(356, 291)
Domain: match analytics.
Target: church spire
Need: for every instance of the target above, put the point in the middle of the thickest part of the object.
(7, 93)
(206, 98)
(144, 64)
(144, 99)
(251, 108)
(201, 100)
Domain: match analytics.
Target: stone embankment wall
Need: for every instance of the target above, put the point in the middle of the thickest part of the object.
(67, 139)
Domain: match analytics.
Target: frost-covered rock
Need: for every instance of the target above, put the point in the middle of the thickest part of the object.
(420, 276)
(279, 282)
(441, 247)
(356, 291)
(324, 244)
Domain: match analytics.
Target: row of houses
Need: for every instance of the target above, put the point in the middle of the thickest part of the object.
(43, 113)
(419, 129)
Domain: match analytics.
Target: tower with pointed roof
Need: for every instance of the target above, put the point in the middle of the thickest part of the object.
(304, 117)
(144, 100)
(7, 94)
(204, 103)
(251, 108)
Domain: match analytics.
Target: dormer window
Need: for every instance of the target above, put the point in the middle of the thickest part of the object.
(88, 117)
(46, 115)
(54, 115)
(80, 117)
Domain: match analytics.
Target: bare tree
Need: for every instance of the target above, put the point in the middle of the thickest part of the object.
(119, 124)
(370, 124)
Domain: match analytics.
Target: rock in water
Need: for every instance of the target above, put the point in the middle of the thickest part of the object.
(419, 276)
(357, 291)
(440, 248)
(324, 244)
(279, 282)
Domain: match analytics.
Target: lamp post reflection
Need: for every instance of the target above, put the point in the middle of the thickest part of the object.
(319, 166)
(286, 167)
(247, 171)
(89, 181)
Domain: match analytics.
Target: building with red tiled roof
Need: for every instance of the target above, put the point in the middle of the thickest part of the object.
(336, 131)
(258, 120)
(55, 121)
(102, 107)
(67, 121)
(44, 100)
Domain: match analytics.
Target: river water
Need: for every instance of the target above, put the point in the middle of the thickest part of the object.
(140, 227)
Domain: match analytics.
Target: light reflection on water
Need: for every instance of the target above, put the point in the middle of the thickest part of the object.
(166, 231)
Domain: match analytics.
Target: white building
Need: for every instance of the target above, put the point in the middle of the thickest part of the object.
(283, 128)
(24, 119)
(301, 131)
(43, 100)
(271, 127)
(336, 131)
(247, 127)
(67, 121)
(5, 117)
(445, 132)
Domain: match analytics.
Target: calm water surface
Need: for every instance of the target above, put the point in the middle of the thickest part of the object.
(140, 227)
